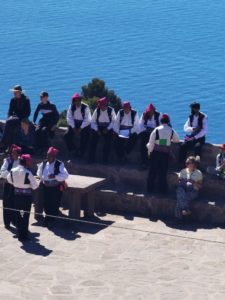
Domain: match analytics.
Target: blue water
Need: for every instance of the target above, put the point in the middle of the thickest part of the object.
(169, 52)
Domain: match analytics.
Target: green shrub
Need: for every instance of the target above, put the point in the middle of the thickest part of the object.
(90, 94)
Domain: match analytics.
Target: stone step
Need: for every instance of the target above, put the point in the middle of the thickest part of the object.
(110, 201)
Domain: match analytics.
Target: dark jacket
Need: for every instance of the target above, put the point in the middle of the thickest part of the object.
(19, 107)
(50, 115)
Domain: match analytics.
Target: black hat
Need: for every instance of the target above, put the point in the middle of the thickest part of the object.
(195, 105)
(43, 94)
(17, 88)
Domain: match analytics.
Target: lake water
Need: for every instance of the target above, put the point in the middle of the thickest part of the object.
(169, 52)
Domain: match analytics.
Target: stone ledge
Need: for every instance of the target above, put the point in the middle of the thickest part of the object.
(148, 206)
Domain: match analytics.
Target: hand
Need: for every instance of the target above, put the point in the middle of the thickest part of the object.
(51, 176)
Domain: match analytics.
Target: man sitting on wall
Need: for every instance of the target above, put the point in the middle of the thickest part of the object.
(19, 108)
(79, 120)
(219, 170)
(102, 123)
(150, 119)
(126, 127)
(46, 125)
(196, 128)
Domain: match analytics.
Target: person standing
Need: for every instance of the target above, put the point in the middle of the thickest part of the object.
(12, 161)
(102, 123)
(196, 129)
(52, 174)
(149, 120)
(46, 125)
(79, 120)
(24, 182)
(159, 147)
(126, 126)
(19, 108)
(190, 183)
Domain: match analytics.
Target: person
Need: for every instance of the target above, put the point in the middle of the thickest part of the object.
(159, 147)
(19, 109)
(45, 128)
(12, 161)
(25, 137)
(52, 174)
(126, 127)
(190, 183)
(196, 129)
(24, 182)
(149, 120)
(102, 123)
(219, 170)
(78, 120)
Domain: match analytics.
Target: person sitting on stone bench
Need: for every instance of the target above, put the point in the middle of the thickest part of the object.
(126, 127)
(79, 120)
(190, 183)
(219, 170)
(102, 123)
(47, 124)
(196, 128)
(19, 108)
(25, 137)
(149, 120)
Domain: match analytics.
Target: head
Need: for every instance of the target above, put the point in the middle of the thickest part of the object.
(25, 160)
(150, 110)
(17, 91)
(195, 108)
(165, 119)
(76, 99)
(191, 163)
(126, 107)
(222, 148)
(25, 124)
(44, 97)
(52, 154)
(102, 103)
(14, 151)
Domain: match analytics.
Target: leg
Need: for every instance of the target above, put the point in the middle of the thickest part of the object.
(107, 145)
(131, 143)
(144, 138)
(84, 137)
(8, 202)
(23, 204)
(181, 202)
(152, 172)
(9, 132)
(119, 148)
(163, 159)
(183, 151)
(198, 146)
(93, 145)
(68, 138)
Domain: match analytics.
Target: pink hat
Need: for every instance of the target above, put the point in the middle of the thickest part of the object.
(27, 158)
(222, 146)
(53, 151)
(102, 102)
(14, 148)
(127, 105)
(76, 97)
(150, 108)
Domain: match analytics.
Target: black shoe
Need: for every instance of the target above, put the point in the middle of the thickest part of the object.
(7, 226)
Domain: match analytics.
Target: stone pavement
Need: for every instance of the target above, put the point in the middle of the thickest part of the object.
(93, 262)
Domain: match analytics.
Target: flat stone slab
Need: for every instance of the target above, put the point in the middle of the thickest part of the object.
(84, 183)
(133, 258)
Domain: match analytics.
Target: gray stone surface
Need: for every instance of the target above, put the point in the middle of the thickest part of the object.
(155, 260)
